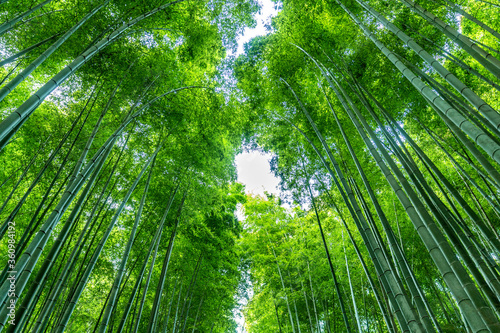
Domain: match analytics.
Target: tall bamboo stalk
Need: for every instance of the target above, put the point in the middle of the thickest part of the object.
(9, 87)
(9, 24)
(153, 318)
(484, 58)
(486, 110)
(119, 275)
(81, 285)
(13, 57)
(10, 125)
(156, 238)
(376, 251)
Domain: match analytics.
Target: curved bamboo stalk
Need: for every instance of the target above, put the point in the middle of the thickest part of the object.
(35, 248)
(452, 271)
(395, 285)
(448, 55)
(31, 255)
(490, 169)
(20, 325)
(484, 45)
(90, 139)
(389, 322)
(121, 269)
(378, 298)
(456, 223)
(466, 174)
(415, 290)
(469, 254)
(487, 234)
(486, 110)
(462, 277)
(146, 286)
(450, 220)
(46, 310)
(35, 181)
(484, 58)
(12, 123)
(35, 252)
(126, 312)
(83, 282)
(159, 290)
(49, 261)
(26, 50)
(9, 24)
(9, 87)
(459, 271)
(477, 135)
(380, 272)
(470, 17)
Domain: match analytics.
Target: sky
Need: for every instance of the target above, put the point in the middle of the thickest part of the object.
(253, 167)
(263, 17)
(254, 171)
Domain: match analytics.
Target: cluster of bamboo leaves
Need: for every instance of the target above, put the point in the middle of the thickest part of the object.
(117, 141)
(383, 118)
(117, 173)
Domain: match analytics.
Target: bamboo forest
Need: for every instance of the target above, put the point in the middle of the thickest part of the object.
(121, 208)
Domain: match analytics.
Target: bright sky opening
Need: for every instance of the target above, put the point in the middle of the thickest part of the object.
(254, 171)
(253, 167)
(264, 16)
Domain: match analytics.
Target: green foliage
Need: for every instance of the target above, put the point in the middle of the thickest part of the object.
(217, 104)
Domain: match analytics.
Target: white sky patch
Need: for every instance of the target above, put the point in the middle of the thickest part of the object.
(255, 173)
(253, 167)
(263, 18)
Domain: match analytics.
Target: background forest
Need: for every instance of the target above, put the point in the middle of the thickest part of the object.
(120, 122)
